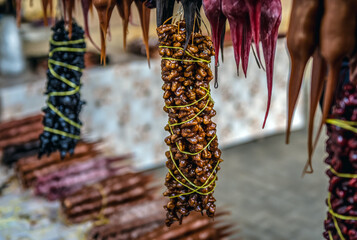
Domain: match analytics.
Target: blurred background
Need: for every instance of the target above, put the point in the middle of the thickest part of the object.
(260, 181)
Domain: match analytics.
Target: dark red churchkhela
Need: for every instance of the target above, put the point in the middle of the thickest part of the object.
(213, 10)
(257, 20)
(341, 147)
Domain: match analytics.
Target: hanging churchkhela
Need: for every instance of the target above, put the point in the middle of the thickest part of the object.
(193, 158)
(325, 30)
(61, 122)
(249, 20)
(341, 146)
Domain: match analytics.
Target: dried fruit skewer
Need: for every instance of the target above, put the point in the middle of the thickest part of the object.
(194, 157)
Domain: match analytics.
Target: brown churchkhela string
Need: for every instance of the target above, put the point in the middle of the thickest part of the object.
(186, 76)
(337, 40)
(319, 70)
(328, 29)
(302, 40)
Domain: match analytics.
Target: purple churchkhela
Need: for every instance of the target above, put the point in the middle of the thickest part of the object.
(238, 16)
(257, 20)
(255, 10)
(269, 29)
(66, 181)
(213, 10)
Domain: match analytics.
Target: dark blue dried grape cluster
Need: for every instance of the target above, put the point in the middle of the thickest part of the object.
(70, 106)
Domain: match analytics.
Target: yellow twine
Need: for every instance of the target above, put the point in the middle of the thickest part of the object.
(339, 216)
(102, 220)
(58, 132)
(348, 125)
(75, 87)
(67, 49)
(67, 93)
(193, 154)
(338, 228)
(66, 65)
(207, 183)
(330, 235)
(343, 175)
(57, 43)
(184, 60)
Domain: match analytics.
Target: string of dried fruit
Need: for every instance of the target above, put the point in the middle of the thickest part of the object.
(194, 157)
(64, 182)
(341, 222)
(66, 62)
